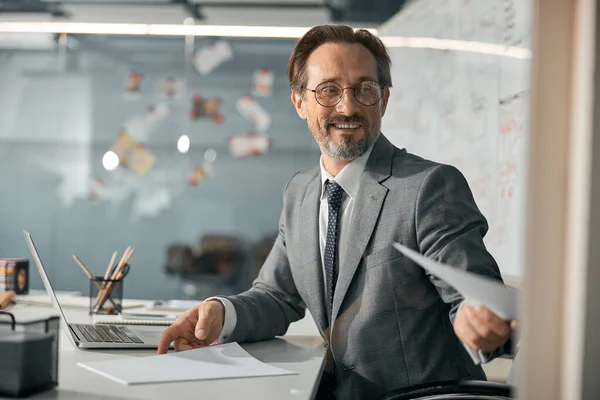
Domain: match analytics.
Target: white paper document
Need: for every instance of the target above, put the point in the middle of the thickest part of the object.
(476, 289)
(228, 360)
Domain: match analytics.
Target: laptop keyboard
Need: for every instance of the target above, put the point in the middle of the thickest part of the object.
(106, 334)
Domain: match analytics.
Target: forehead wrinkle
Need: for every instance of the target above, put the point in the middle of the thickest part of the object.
(335, 60)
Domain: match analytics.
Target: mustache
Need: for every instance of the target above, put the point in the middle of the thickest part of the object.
(344, 119)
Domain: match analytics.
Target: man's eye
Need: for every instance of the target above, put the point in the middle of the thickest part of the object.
(330, 91)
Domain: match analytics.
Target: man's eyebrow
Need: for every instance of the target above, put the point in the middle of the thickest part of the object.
(358, 80)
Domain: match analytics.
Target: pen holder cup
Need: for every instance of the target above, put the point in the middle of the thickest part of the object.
(106, 296)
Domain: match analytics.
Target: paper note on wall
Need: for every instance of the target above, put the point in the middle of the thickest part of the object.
(169, 88)
(122, 147)
(203, 107)
(211, 56)
(247, 145)
(254, 113)
(263, 82)
(142, 160)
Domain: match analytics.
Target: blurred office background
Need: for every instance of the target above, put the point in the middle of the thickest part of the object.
(197, 186)
(197, 168)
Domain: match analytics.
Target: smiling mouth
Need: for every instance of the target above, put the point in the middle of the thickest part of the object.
(346, 126)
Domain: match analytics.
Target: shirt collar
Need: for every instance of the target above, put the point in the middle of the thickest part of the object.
(349, 176)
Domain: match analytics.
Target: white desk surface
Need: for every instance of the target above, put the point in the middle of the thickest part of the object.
(301, 351)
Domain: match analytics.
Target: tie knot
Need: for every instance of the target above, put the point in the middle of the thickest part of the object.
(334, 193)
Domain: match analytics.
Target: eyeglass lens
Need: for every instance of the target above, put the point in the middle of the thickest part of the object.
(330, 93)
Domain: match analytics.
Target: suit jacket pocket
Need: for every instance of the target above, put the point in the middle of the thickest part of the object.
(381, 256)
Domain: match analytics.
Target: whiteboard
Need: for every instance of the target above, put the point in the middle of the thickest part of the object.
(468, 109)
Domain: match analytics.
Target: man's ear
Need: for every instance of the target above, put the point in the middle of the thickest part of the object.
(298, 101)
(384, 100)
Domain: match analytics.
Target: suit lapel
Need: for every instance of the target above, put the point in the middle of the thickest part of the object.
(312, 270)
(367, 206)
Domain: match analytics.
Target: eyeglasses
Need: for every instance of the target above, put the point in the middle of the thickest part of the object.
(329, 94)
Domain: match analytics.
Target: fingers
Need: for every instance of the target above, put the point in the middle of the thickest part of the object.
(210, 321)
(195, 328)
(481, 329)
(183, 344)
(168, 336)
(206, 319)
(489, 324)
(467, 332)
(182, 327)
(513, 325)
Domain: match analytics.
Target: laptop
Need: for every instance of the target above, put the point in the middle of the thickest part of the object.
(90, 336)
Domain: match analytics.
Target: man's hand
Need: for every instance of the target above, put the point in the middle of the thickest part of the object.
(197, 327)
(481, 329)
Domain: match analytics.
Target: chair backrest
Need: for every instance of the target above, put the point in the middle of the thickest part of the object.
(218, 254)
(453, 390)
(180, 259)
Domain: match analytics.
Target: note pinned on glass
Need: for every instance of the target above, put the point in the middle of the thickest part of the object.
(248, 145)
(211, 56)
(262, 82)
(476, 289)
(142, 160)
(254, 113)
(228, 360)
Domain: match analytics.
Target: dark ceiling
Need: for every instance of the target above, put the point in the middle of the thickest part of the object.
(375, 11)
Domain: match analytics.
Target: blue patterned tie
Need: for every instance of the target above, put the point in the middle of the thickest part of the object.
(334, 199)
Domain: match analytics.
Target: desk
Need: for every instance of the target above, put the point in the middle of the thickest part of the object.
(301, 354)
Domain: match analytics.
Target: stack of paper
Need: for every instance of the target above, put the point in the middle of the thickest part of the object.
(476, 289)
(213, 362)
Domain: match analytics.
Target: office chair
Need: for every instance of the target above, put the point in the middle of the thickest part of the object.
(453, 390)
(214, 266)
(180, 260)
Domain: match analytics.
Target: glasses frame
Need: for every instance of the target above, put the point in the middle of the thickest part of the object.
(353, 88)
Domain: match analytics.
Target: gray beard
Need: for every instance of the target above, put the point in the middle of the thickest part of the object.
(348, 150)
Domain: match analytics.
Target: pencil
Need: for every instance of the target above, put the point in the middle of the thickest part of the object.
(131, 250)
(83, 267)
(110, 265)
(121, 262)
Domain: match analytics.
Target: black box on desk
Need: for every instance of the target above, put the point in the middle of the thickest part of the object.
(15, 274)
(28, 355)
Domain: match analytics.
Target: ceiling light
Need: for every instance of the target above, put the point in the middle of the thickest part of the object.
(157, 29)
(189, 29)
(110, 161)
(457, 45)
(183, 144)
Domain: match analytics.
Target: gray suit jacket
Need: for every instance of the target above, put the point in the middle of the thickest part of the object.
(392, 321)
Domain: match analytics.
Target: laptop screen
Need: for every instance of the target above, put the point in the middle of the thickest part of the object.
(45, 279)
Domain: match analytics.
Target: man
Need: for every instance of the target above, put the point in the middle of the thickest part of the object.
(387, 324)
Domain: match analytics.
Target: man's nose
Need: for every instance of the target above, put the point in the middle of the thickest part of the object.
(348, 105)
